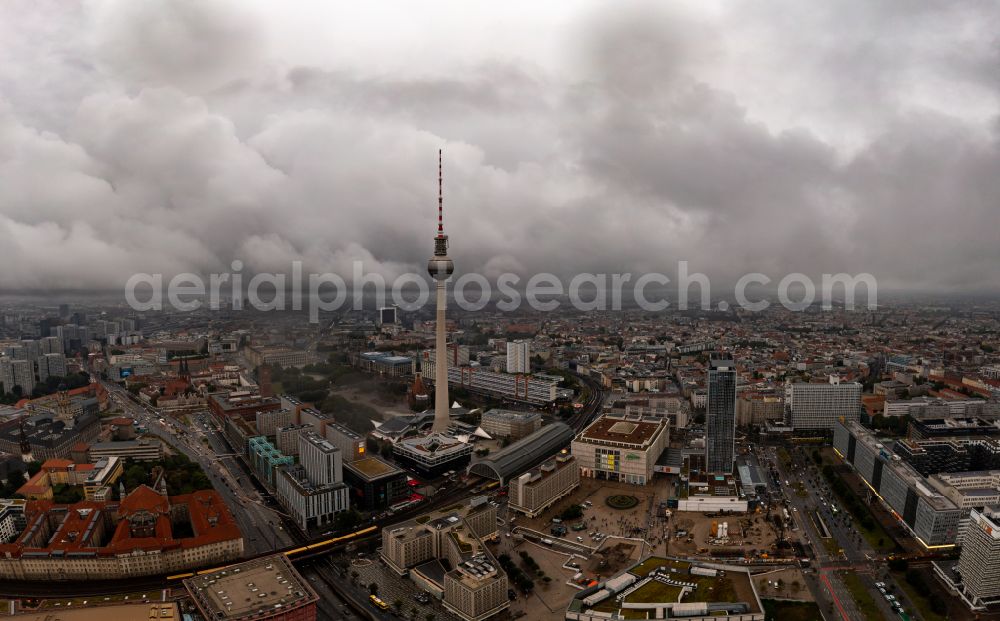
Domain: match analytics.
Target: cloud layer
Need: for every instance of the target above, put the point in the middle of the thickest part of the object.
(774, 137)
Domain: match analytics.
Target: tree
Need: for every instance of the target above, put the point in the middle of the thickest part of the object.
(572, 512)
(386, 450)
(346, 519)
(14, 481)
(398, 604)
(373, 588)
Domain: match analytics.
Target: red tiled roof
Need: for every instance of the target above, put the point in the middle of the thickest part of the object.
(211, 521)
(143, 498)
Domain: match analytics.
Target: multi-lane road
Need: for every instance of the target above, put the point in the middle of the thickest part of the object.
(812, 503)
(263, 525)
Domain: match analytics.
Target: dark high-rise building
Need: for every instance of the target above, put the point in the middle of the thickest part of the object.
(720, 414)
(47, 326)
(387, 315)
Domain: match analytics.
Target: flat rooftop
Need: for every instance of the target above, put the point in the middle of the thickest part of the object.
(671, 582)
(372, 468)
(433, 443)
(512, 414)
(246, 590)
(625, 430)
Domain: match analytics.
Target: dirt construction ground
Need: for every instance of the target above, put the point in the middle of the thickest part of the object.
(750, 533)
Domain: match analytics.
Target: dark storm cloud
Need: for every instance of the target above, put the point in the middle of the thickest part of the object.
(774, 137)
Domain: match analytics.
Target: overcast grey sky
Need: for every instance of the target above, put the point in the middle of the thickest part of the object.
(766, 135)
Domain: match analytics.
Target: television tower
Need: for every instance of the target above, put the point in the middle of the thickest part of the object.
(441, 269)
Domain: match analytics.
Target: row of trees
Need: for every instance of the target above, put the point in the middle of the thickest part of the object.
(514, 573)
(850, 500)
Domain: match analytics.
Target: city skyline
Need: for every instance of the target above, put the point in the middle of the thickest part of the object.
(724, 328)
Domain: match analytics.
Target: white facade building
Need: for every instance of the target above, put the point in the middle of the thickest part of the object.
(820, 406)
(519, 356)
(313, 491)
(979, 564)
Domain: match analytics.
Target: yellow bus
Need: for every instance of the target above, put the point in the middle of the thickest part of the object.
(378, 603)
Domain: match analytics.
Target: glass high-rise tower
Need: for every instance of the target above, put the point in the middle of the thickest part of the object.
(720, 415)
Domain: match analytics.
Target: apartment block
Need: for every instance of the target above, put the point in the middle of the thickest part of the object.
(443, 553)
(536, 490)
(819, 406)
(510, 424)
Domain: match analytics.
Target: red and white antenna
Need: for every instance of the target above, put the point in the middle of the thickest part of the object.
(440, 200)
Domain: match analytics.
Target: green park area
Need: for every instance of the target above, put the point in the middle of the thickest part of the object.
(861, 596)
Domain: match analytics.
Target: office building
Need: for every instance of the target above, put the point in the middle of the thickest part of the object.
(443, 553)
(759, 410)
(312, 505)
(528, 389)
(51, 365)
(455, 355)
(375, 484)
(519, 356)
(979, 563)
(265, 458)
(144, 449)
(509, 423)
(313, 491)
(720, 415)
(51, 345)
(14, 373)
(384, 363)
(671, 407)
(952, 427)
(268, 421)
(930, 516)
(241, 404)
(621, 448)
(12, 520)
(387, 315)
(352, 445)
(818, 406)
(920, 408)
(536, 490)
(319, 420)
(281, 356)
(321, 459)
(262, 589)
(286, 438)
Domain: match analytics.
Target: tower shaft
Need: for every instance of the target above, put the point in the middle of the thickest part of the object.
(441, 401)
